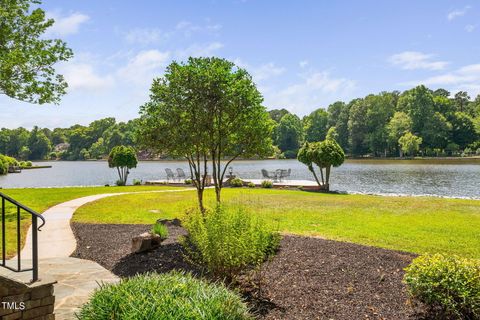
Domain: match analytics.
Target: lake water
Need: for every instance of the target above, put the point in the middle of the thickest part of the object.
(451, 178)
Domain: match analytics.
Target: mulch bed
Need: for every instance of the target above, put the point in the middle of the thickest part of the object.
(309, 278)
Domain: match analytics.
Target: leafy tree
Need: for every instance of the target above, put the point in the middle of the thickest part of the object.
(338, 118)
(419, 105)
(463, 129)
(399, 125)
(38, 144)
(332, 134)
(461, 101)
(277, 114)
(436, 132)
(123, 159)
(441, 93)
(409, 143)
(206, 109)
(443, 105)
(17, 140)
(289, 133)
(27, 57)
(358, 127)
(324, 155)
(316, 125)
(380, 108)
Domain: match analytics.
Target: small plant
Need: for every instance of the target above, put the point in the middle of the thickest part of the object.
(267, 184)
(28, 164)
(236, 182)
(120, 183)
(251, 185)
(169, 296)
(160, 229)
(227, 241)
(137, 182)
(448, 285)
(188, 181)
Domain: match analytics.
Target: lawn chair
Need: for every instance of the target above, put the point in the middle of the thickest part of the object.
(181, 174)
(269, 175)
(284, 174)
(170, 174)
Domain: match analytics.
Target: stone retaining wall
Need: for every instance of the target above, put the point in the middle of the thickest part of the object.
(26, 301)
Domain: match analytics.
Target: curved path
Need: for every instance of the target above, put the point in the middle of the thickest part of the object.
(76, 278)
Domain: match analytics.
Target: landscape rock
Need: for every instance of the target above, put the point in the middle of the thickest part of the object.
(146, 241)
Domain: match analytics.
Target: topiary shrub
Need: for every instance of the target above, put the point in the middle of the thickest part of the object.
(236, 183)
(267, 184)
(251, 185)
(170, 296)
(448, 285)
(227, 241)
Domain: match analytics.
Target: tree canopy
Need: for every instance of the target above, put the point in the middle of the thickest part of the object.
(122, 158)
(27, 58)
(206, 110)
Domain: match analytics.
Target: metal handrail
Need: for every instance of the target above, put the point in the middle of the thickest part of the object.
(35, 228)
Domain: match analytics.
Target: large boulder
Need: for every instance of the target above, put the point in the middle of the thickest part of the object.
(146, 241)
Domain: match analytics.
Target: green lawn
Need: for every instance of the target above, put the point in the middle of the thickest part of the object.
(414, 224)
(43, 198)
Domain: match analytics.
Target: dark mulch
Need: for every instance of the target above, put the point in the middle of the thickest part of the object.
(309, 278)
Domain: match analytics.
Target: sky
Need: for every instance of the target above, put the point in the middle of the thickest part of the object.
(302, 55)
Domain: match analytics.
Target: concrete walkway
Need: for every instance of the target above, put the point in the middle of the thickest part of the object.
(76, 278)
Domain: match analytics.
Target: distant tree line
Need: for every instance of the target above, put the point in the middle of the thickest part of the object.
(75, 143)
(417, 121)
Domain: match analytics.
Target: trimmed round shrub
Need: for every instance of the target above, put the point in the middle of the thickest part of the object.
(227, 240)
(267, 184)
(236, 183)
(251, 185)
(170, 296)
(448, 285)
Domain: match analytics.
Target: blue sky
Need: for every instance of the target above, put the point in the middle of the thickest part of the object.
(302, 54)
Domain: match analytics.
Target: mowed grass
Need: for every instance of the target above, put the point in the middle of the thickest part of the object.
(43, 198)
(413, 224)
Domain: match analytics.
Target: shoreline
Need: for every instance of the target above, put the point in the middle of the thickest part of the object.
(340, 192)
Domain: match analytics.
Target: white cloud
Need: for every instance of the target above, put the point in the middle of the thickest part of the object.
(261, 72)
(457, 13)
(197, 50)
(144, 66)
(465, 78)
(146, 36)
(66, 25)
(303, 63)
(82, 76)
(412, 60)
(469, 27)
(188, 28)
(316, 90)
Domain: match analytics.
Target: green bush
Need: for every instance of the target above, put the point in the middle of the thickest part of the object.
(137, 182)
(449, 286)
(188, 181)
(290, 154)
(161, 230)
(3, 165)
(236, 183)
(28, 164)
(170, 296)
(227, 240)
(267, 184)
(251, 185)
(120, 183)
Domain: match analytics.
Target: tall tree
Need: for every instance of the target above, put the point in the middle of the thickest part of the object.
(206, 110)
(27, 57)
(338, 114)
(462, 100)
(316, 125)
(38, 144)
(289, 133)
(419, 105)
(380, 108)
(463, 129)
(358, 127)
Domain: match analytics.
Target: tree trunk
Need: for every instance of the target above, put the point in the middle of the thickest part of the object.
(200, 199)
(327, 178)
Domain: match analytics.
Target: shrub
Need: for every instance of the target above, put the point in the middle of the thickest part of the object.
(227, 241)
(290, 154)
(120, 183)
(169, 296)
(449, 286)
(236, 182)
(188, 181)
(160, 229)
(251, 185)
(137, 182)
(28, 164)
(267, 184)
(3, 165)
